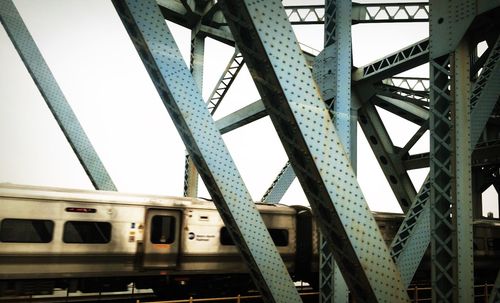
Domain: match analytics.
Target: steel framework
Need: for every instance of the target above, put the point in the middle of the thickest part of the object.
(315, 114)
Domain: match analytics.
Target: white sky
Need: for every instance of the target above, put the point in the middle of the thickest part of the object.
(103, 79)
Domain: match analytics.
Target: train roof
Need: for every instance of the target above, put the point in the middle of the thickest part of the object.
(47, 193)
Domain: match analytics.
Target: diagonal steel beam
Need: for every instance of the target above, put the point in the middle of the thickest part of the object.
(395, 63)
(53, 96)
(280, 185)
(387, 155)
(401, 107)
(177, 89)
(486, 92)
(226, 80)
(266, 40)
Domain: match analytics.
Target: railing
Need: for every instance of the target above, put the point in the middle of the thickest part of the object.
(423, 294)
(236, 299)
(416, 293)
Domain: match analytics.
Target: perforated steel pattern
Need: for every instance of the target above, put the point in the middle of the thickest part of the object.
(53, 96)
(332, 71)
(462, 182)
(183, 100)
(413, 236)
(280, 185)
(263, 35)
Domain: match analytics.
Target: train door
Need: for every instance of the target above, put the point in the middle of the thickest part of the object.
(161, 243)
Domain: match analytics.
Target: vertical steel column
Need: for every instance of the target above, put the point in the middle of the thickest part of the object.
(53, 96)
(461, 169)
(196, 68)
(332, 71)
(413, 237)
(303, 122)
(181, 97)
(451, 195)
(442, 252)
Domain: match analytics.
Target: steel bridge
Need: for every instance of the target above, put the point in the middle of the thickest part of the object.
(314, 102)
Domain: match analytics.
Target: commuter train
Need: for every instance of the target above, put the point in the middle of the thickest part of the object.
(98, 241)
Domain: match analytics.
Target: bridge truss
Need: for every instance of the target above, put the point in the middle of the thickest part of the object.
(314, 102)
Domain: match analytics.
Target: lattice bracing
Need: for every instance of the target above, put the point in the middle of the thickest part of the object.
(226, 80)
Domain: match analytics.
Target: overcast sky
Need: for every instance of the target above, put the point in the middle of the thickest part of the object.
(103, 79)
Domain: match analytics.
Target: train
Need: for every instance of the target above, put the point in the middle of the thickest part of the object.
(102, 241)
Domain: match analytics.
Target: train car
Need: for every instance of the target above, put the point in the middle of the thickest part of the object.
(97, 241)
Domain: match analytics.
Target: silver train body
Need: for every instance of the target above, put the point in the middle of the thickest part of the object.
(97, 241)
(102, 241)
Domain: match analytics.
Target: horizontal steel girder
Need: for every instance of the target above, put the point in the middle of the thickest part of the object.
(181, 97)
(265, 38)
(182, 13)
(53, 96)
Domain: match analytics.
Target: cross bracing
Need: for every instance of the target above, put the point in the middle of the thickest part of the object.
(439, 103)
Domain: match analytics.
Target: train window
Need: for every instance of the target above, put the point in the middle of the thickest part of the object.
(279, 236)
(225, 238)
(26, 231)
(90, 232)
(162, 229)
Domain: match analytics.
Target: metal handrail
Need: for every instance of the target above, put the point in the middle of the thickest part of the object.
(238, 298)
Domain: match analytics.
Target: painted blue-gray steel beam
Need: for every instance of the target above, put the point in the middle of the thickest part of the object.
(280, 185)
(176, 11)
(416, 161)
(362, 13)
(266, 40)
(177, 89)
(414, 139)
(406, 248)
(241, 117)
(442, 252)
(452, 267)
(390, 12)
(386, 153)
(196, 67)
(419, 98)
(413, 237)
(226, 80)
(418, 84)
(395, 63)
(462, 215)
(53, 96)
(332, 72)
(486, 91)
(401, 107)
